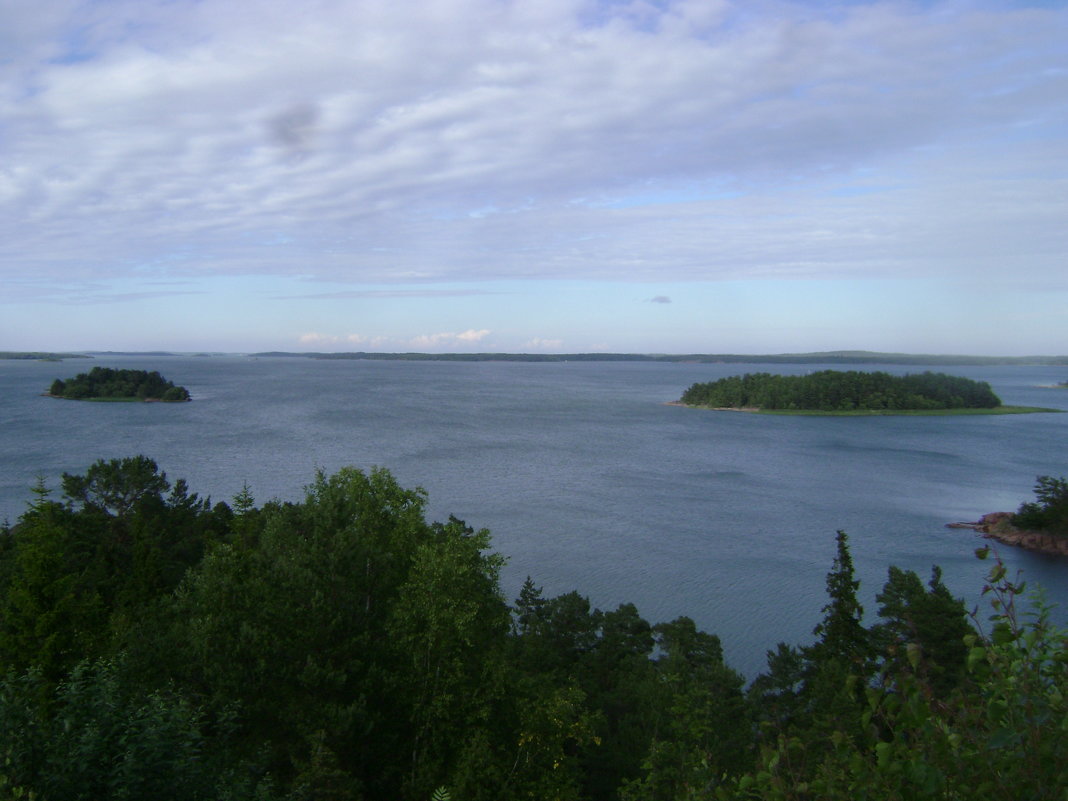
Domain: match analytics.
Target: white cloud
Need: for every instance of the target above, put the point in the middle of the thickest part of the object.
(440, 340)
(531, 140)
(366, 341)
(315, 339)
(471, 335)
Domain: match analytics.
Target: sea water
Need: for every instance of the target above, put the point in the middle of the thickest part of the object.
(585, 477)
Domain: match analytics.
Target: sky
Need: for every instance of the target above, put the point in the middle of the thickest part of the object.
(648, 176)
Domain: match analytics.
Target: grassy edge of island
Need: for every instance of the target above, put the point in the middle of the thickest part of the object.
(907, 412)
(873, 412)
(124, 399)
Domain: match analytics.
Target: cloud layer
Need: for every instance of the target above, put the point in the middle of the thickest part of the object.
(485, 139)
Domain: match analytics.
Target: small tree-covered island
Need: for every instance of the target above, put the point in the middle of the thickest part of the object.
(836, 392)
(107, 384)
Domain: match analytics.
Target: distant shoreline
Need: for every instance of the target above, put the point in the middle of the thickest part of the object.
(823, 357)
(40, 356)
(816, 357)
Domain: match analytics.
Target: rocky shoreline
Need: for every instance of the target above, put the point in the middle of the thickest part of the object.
(998, 526)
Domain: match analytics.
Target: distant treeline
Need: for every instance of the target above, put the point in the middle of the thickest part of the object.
(104, 382)
(829, 357)
(46, 356)
(838, 391)
(826, 357)
(154, 645)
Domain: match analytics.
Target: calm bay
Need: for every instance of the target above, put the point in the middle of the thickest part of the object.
(586, 479)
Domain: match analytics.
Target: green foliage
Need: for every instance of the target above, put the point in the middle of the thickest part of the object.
(343, 648)
(115, 486)
(47, 617)
(76, 575)
(555, 724)
(840, 633)
(704, 736)
(776, 696)
(93, 737)
(814, 694)
(294, 624)
(924, 630)
(448, 624)
(997, 733)
(840, 391)
(111, 384)
(351, 628)
(1049, 511)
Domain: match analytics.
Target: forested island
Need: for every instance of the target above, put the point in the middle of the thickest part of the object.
(156, 645)
(847, 392)
(105, 383)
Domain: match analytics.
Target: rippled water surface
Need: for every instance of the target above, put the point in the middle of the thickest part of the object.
(585, 477)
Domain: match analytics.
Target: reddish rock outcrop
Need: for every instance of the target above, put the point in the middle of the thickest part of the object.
(998, 526)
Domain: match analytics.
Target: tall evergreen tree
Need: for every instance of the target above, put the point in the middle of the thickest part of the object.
(841, 634)
(924, 628)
